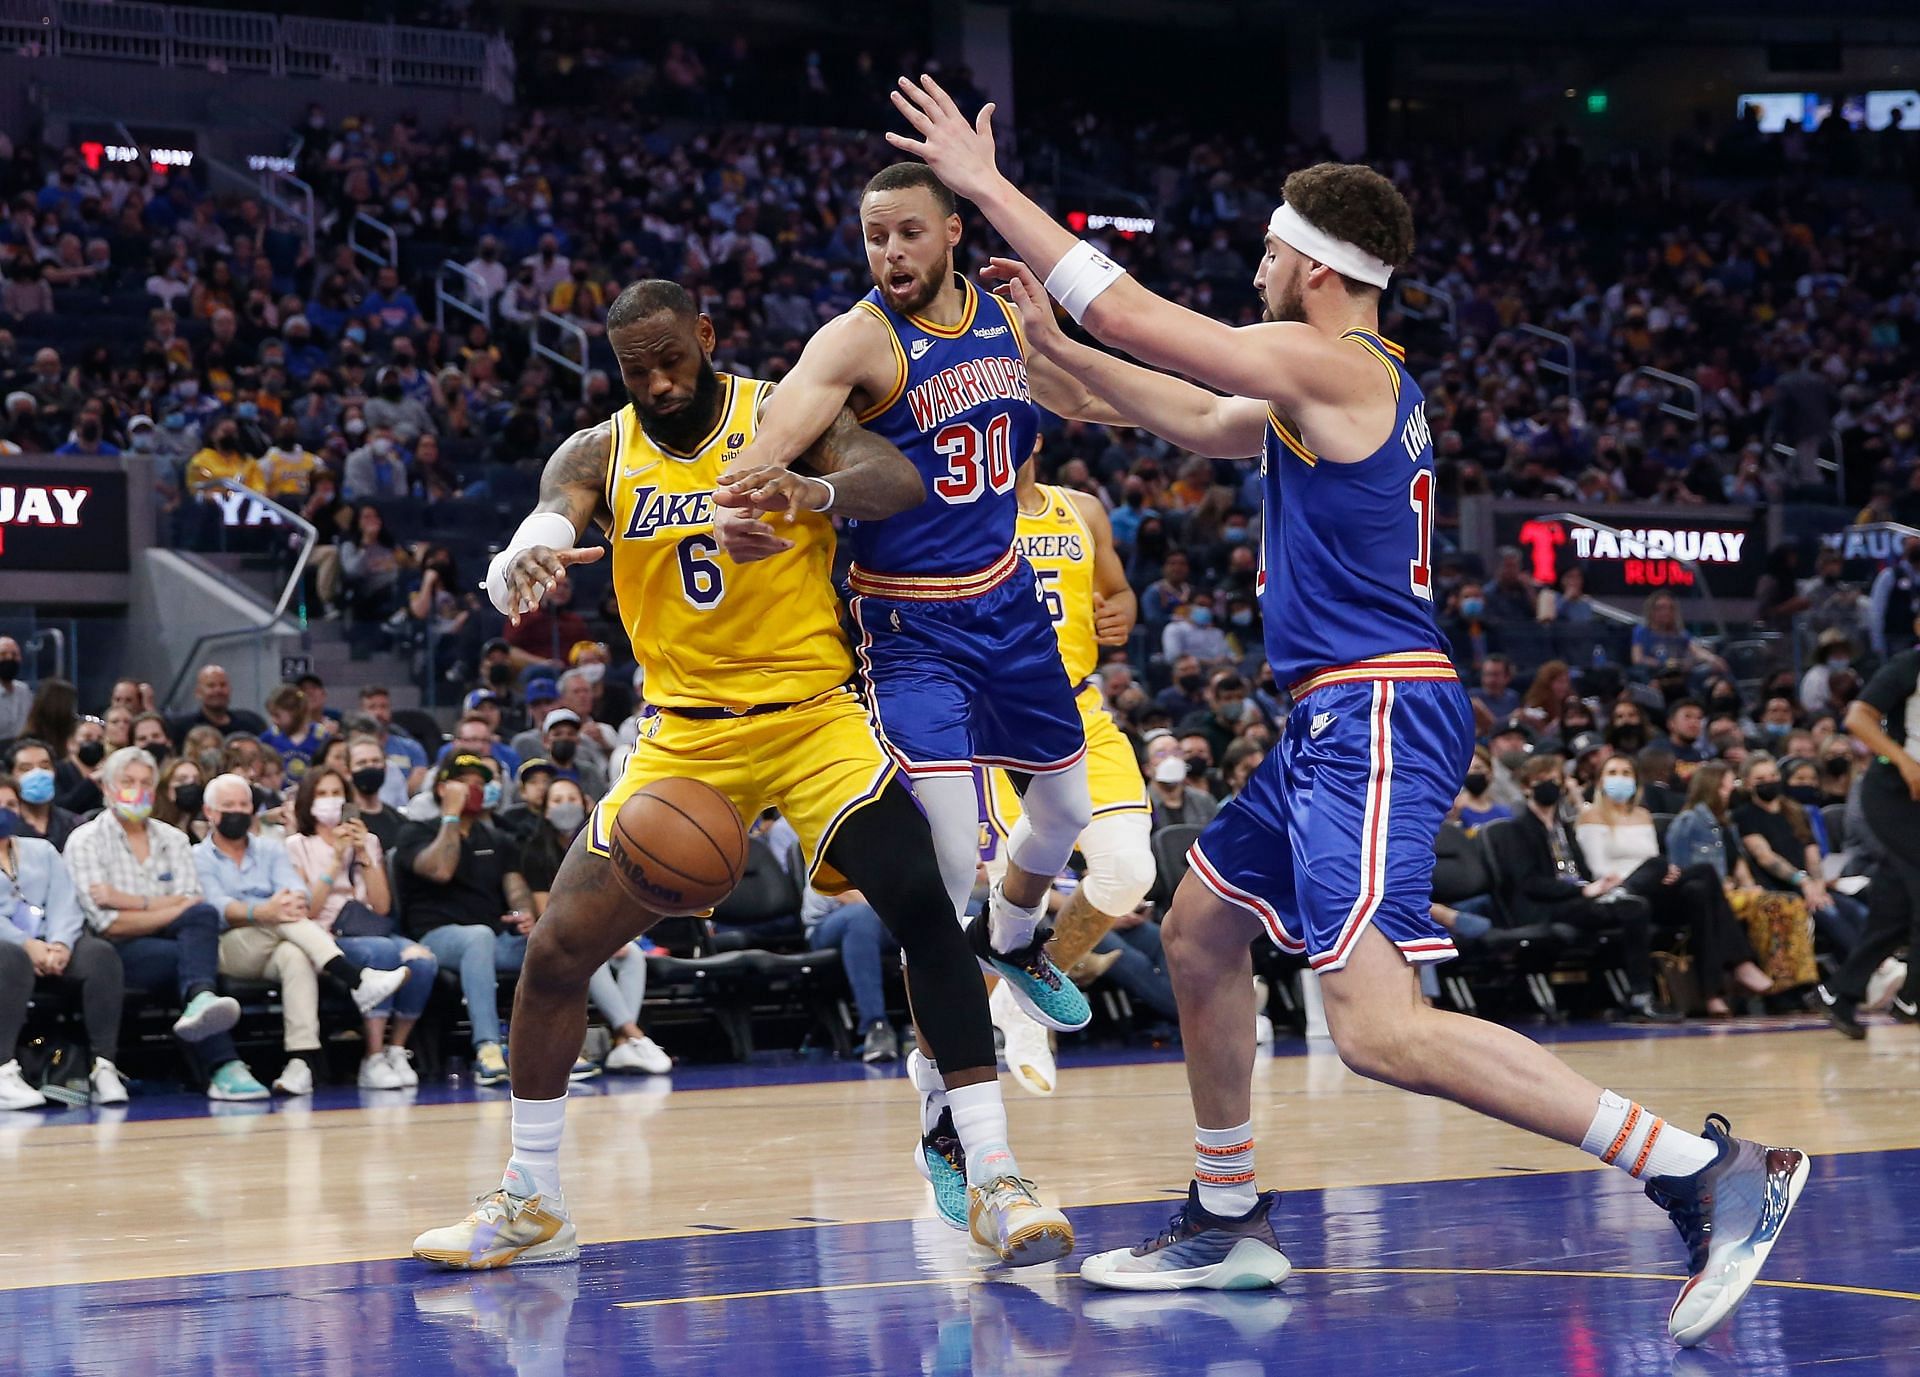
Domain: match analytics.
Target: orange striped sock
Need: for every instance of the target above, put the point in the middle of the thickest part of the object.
(1640, 1143)
(1223, 1169)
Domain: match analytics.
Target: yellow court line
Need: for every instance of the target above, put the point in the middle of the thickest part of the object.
(720, 1298)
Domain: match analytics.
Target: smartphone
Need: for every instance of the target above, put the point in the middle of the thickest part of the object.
(349, 811)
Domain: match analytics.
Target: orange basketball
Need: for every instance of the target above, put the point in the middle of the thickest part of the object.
(678, 846)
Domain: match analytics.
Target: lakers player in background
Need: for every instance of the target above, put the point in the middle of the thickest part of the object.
(747, 684)
(1067, 539)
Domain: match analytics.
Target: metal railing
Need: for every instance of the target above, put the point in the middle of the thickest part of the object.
(1674, 380)
(1448, 312)
(251, 41)
(567, 329)
(473, 302)
(1559, 341)
(292, 201)
(35, 644)
(387, 258)
(309, 537)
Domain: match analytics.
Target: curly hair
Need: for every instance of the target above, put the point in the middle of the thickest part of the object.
(1353, 202)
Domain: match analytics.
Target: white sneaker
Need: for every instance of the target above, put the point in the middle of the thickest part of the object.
(1029, 1054)
(502, 1230)
(108, 1088)
(15, 1093)
(377, 987)
(1886, 980)
(401, 1060)
(377, 1073)
(297, 1079)
(642, 1054)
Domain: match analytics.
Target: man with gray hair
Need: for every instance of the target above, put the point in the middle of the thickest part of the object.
(135, 880)
(265, 903)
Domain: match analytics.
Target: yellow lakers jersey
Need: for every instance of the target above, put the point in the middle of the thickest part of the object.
(708, 632)
(1059, 546)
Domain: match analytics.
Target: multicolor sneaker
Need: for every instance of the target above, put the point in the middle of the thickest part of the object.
(943, 1165)
(1039, 987)
(1198, 1250)
(1005, 1217)
(1730, 1213)
(489, 1064)
(503, 1230)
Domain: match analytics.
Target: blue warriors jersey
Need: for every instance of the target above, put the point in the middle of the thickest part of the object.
(961, 411)
(1346, 572)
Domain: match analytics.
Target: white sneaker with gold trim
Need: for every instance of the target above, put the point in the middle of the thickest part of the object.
(503, 1230)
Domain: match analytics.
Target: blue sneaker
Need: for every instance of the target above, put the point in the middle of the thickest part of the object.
(943, 1165)
(1039, 987)
(234, 1082)
(1730, 1213)
(1198, 1251)
(205, 1015)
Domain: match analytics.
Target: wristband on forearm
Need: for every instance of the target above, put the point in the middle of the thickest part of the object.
(1082, 273)
(541, 528)
(832, 494)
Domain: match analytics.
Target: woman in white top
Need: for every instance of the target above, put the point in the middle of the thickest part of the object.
(1617, 836)
(348, 895)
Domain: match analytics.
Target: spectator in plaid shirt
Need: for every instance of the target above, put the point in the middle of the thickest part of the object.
(137, 887)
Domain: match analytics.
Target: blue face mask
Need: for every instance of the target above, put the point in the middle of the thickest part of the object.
(1241, 619)
(1619, 788)
(1203, 616)
(1236, 535)
(9, 823)
(247, 411)
(1777, 729)
(1472, 607)
(490, 796)
(357, 334)
(36, 787)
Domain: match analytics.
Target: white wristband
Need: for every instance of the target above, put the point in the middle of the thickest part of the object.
(1080, 276)
(832, 496)
(542, 528)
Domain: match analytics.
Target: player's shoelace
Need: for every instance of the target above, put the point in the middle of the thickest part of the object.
(1692, 1215)
(1004, 1192)
(1177, 1229)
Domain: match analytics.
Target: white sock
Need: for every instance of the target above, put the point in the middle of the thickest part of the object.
(1010, 927)
(980, 1119)
(1223, 1169)
(534, 1168)
(1624, 1135)
(933, 1091)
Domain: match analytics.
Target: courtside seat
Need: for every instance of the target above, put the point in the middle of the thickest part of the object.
(737, 987)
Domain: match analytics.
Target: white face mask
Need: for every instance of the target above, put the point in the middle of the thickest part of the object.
(1171, 770)
(326, 811)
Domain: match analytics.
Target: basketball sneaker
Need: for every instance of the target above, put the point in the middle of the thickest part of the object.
(1005, 1217)
(1198, 1251)
(943, 1165)
(489, 1064)
(234, 1082)
(1042, 991)
(1029, 1055)
(206, 1014)
(503, 1230)
(1730, 1213)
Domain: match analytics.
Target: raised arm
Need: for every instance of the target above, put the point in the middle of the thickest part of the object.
(1287, 363)
(573, 498)
(1086, 384)
(848, 470)
(844, 357)
(1115, 605)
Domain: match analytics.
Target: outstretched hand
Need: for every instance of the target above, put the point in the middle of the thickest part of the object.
(1018, 284)
(770, 489)
(743, 537)
(961, 154)
(537, 569)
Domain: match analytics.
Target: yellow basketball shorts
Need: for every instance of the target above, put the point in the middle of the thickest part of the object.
(1114, 781)
(818, 762)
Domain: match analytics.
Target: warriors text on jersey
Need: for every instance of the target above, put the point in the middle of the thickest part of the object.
(960, 409)
(1346, 571)
(706, 632)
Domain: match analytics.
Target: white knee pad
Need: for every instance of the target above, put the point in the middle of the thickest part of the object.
(1053, 813)
(953, 811)
(1118, 849)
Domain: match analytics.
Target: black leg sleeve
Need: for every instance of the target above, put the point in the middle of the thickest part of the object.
(886, 852)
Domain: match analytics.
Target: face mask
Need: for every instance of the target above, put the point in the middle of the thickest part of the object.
(1472, 607)
(1546, 793)
(1767, 792)
(9, 671)
(143, 442)
(1808, 794)
(1477, 781)
(1236, 535)
(1190, 683)
(1170, 771)
(36, 787)
(499, 675)
(564, 750)
(1723, 707)
(234, 826)
(490, 796)
(1838, 767)
(158, 751)
(1839, 662)
(133, 804)
(9, 823)
(593, 672)
(356, 427)
(91, 753)
(188, 798)
(247, 411)
(189, 389)
(326, 811)
(1203, 616)
(1241, 619)
(369, 780)
(565, 818)
(357, 334)
(1618, 788)
(1777, 729)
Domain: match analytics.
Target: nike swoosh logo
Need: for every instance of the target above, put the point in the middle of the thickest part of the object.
(919, 349)
(1320, 724)
(636, 472)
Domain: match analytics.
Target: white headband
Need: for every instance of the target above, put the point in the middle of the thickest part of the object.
(1292, 228)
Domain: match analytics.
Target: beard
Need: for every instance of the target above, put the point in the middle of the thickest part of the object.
(1289, 306)
(683, 429)
(925, 288)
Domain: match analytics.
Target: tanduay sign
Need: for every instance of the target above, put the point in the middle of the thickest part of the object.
(37, 505)
(1640, 558)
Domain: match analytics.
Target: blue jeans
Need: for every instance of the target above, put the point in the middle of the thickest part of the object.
(1844, 925)
(1142, 968)
(863, 942)
(383, 954)
(619, 987)
(479, 954)
(186, 955)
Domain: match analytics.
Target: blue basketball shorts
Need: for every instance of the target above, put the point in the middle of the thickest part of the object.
(1335, 830)
(959, 681)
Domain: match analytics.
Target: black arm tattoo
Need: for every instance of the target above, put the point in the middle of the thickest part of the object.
(574, 482)
(871, 478)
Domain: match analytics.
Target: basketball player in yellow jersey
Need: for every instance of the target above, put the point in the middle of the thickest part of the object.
(747, 690)
(1067, 539)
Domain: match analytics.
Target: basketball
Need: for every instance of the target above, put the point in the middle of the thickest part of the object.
(678, 846)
